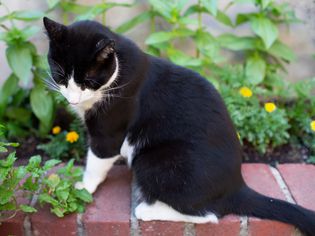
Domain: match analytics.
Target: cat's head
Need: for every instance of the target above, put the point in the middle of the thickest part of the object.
(82, 60)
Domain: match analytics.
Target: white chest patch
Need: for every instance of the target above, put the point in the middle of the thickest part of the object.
(127, 151)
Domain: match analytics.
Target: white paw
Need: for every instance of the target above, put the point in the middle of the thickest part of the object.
(143, 212)
(89, 187)
(89, 182)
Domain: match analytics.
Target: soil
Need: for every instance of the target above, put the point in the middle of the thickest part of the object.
(283, 154)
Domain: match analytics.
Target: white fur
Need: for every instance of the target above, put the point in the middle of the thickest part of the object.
(161, 211)
(127, 151)
(95, 171)
(84, 100)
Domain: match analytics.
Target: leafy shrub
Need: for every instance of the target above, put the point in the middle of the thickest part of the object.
(57, 189)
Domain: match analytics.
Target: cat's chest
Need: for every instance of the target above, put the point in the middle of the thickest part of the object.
(127, 151)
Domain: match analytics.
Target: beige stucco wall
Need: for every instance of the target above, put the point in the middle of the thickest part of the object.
(301, 37)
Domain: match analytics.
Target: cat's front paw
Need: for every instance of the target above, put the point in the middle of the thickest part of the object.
(89, 187)
(89, 183)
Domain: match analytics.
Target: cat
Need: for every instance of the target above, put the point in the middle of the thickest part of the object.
(169, 122)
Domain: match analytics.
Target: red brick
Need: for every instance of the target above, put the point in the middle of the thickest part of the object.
(228, 226)
(14, 226)
(300, 181)
(46, 223)
(260, 178)
(109, 214)
(161, 228)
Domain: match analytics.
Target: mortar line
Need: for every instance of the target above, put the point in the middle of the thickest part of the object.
(134, 223)
(80, 225)
(244, 223)
(281, 183)
(27, 223)
(189, 229)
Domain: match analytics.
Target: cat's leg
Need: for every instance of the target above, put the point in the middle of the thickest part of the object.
(95, 171)
(161, 211)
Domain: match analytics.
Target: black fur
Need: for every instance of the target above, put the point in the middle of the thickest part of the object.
(190, 156)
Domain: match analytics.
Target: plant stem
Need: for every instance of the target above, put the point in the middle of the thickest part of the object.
(104, 14)
(152, 22)
(199, 27)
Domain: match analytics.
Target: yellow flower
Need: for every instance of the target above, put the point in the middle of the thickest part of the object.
(246, 92)
(72, 137)
(313, 125)
(238, 135)
(270, 107)
(56, 130)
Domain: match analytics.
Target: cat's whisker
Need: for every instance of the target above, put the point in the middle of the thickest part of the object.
(51, 85)
(60, 67)
(118, 87)
(93, 81)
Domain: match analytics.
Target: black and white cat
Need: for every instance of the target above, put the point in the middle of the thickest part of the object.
(168, 121)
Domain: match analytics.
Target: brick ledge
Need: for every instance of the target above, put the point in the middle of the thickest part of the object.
(111, 212)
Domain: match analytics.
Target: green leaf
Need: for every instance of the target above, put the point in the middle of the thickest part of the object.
(158, 37)
(182, 59)
(245, 1)
(83, 195)
(20, 60)
(45, 198)
(73, 7)
(255, 70)
(3, 149)
(30, 31)
(193, 9)
(53, 180)
(232, 42)
(9, 161)
(93, 11)
(63, 194)
(265, 3)
(133, 22)
(27, 209)
(6, 194)
(58, 211)
(211, 6)
(42, 105)
(244, 17)
(30, 185)
(278, 49)
(19, 114)
(28, 15)
(50, 163)
(265, 29)
(52, 3)
(8, 89)
(34, 162)
(223, 18)
(164, 8)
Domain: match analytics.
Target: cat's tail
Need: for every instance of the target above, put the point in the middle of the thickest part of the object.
(250, 203)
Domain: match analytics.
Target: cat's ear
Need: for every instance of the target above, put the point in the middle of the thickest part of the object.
(55, 31)
(104, 49)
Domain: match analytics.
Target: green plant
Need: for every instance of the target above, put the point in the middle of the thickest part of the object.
(27, 67)
(58, 147)
(248, 108)
(301, 112)
(23, 182)
(18, 185)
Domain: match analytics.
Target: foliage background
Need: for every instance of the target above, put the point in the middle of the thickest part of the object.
(232, 50)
